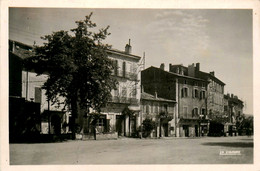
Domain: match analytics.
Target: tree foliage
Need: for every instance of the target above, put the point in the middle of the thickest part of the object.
(148, 126)
(78, 67)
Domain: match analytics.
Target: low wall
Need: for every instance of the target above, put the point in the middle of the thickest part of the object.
(100, 136)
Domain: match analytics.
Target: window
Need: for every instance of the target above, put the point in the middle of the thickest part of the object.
(195, 112)
(38, 95)
(156, 108)
(225, 108)
(195, 83)
(116, 91)
(151, 107)
(202, 94)
(203, 112)
(147, 109)
(196, 93)
(115, 64)
(165, 107)
(184, 92)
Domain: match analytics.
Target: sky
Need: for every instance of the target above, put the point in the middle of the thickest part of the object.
(219, 39)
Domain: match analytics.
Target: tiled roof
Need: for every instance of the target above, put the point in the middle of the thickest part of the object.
(178, 75)
(146, 96)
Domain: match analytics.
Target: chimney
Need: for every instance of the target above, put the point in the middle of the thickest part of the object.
(212, 73)
(191, 70)
(170, 67)
(198, 66)
(128, 47)
(155, 94)
(232, 95)
(162, 66)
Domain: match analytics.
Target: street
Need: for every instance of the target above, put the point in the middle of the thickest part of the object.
(204, 150)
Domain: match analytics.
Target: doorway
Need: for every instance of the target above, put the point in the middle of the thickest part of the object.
(196, 131)
(186, 130)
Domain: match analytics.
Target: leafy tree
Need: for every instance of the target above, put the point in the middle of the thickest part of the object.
(148, 126)
(246, 124)
(78, 67)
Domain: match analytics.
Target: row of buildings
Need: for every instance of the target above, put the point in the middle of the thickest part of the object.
(183, 101)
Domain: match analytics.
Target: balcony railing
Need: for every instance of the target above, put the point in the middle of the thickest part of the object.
(125, 100)
(204, 117)
(128, 75)
(165, 114)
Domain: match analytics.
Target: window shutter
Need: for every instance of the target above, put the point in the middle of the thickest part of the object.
(116, 67)
(38, 95)
(124, 69)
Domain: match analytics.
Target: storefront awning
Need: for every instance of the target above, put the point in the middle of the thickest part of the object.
(134, 108)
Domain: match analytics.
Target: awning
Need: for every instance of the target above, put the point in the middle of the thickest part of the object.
(134, 108)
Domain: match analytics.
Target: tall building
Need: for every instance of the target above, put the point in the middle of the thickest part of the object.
(189, 93)
(215, 87)
(122, 113)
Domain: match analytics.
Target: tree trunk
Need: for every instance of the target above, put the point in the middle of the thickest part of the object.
(74, 113)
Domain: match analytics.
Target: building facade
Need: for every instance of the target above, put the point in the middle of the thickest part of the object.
(122, 113)
(188, 92)
(233, 108)
(27, 86)
(161, 111)
(215, 87)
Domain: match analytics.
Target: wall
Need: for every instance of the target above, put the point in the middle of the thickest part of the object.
(152, 109)
(215, 98)
(191, 101)
(31, 91)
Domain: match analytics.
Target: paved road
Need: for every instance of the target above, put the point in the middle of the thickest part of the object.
(205, 150)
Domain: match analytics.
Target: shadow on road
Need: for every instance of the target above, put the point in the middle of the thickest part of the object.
(251, 139)
(230, 144)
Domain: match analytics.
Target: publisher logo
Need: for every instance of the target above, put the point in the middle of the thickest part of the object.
(229, 153)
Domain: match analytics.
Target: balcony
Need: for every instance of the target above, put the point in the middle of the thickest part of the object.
(166, 115)
(127, 75)
(125, 100)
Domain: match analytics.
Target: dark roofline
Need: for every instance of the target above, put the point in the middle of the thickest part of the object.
(178, 75)
(212, 76)
(232, 98)
(203, 73)
(153, 98)
(115, 51)
(29, 46)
